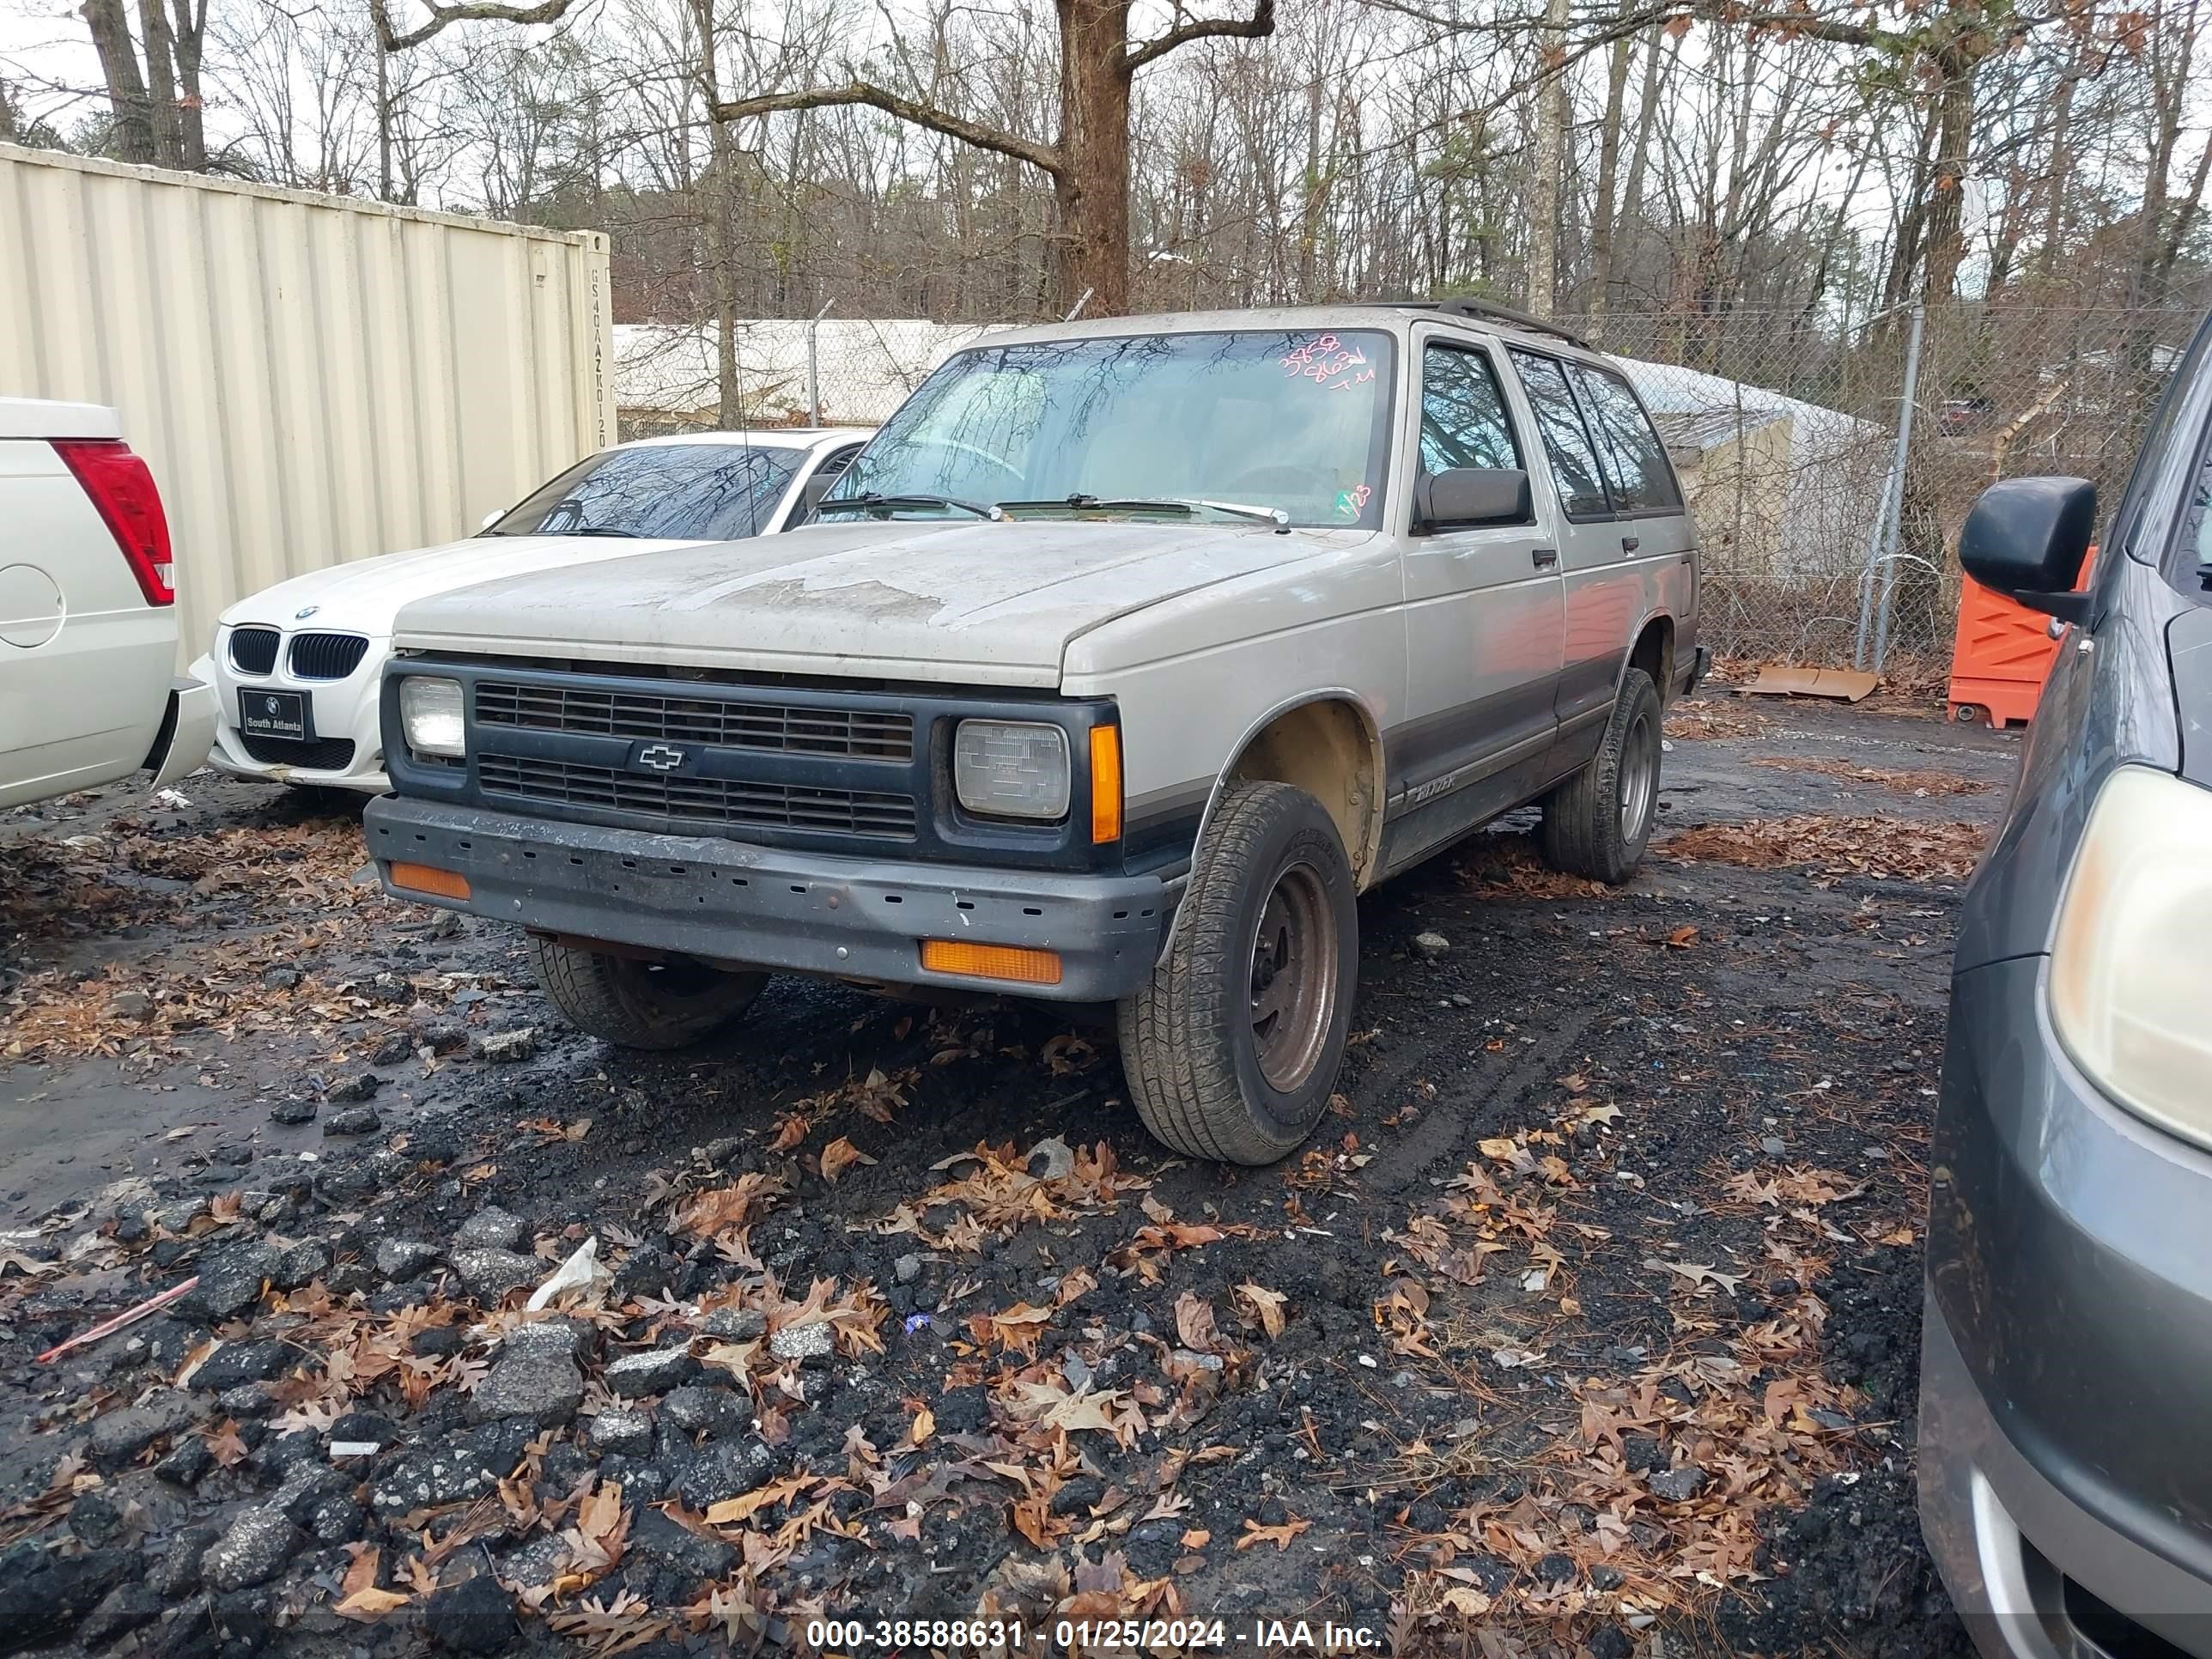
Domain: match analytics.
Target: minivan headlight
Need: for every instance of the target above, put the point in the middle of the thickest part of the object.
(430, 716)
(2127, 964)
(1010, 769)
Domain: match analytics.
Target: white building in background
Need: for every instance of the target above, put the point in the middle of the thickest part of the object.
(665, 376)
(1780, 487)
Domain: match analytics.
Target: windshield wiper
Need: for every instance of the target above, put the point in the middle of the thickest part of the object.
(870, 500)
(1080, 502)
(598, 530)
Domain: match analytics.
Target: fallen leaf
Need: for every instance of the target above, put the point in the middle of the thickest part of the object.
(1266, 1307)
(1698, 1274)
(369, 1604)
(839, 1155)
(1278, 1536)
(925, 1424)
(1194, 1323)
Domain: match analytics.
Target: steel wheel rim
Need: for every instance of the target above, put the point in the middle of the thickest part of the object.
(1639, 779)
(1294, 979)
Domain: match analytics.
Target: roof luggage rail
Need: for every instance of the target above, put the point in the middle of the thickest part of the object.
(1485, 311)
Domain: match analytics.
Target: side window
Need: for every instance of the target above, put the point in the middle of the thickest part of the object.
(1463, 419)
(1575, 463)
(1636, 468)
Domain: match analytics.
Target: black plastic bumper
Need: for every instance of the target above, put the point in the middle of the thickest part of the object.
(731, 901)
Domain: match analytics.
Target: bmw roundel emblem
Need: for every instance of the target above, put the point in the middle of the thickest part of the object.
(305, 611)
(273, 704)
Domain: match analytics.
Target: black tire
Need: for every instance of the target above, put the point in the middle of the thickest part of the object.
(1197, 1046)
(641, 1004)
(1598, 822)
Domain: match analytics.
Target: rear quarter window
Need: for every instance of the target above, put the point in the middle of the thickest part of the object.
(1575, 468)
(1637, 471)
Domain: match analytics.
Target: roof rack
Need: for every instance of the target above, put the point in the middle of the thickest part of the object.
(1484, 311)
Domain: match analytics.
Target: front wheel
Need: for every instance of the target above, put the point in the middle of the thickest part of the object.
(1232, 1047)
(1598, 822)
(641, 1004)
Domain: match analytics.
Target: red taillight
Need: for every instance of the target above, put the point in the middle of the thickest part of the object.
(123, 489)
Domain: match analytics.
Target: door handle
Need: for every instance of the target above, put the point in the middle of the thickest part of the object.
(1630, 544)
(1544, 557)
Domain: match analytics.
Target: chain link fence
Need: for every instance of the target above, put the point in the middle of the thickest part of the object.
(1825, 543)
(1814, 519)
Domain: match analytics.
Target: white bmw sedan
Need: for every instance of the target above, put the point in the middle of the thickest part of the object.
(296, 667)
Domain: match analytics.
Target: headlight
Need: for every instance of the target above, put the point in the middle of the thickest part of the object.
(1010, 769)
(430, 716)
(2127, 966)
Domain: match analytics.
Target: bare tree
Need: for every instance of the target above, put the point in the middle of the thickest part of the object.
(1088, 160)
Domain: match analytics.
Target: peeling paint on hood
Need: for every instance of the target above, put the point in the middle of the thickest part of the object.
(983, 602)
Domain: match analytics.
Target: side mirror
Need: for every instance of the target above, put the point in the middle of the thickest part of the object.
(1461, 497)
(492, 518)
(810, 492)
(2027, 538)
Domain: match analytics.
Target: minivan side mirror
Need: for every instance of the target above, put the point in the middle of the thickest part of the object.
(1461, 497)
(2027, 538)
(492, 518)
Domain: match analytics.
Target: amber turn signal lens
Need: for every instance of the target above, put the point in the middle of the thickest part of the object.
(423, 878)
(1012, 962)
(1105, 784)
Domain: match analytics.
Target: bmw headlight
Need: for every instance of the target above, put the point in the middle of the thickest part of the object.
(1010, 769)
(2127, 965)
(430, 716)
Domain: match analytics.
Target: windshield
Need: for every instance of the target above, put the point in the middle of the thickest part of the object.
(1294, 423)
(682, 492)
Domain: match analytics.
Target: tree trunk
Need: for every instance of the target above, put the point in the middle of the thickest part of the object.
(1093, 189)
(126, 85)
(2060, 180)
(383, 121)
(1608, 179)
(1317, 191)
(1954, 131)
(714, 196)
(1547, 160)
(1631, 195)
(160, 85)
(189, 36)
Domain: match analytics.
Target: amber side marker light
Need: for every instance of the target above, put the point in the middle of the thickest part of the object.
(1105, 784)
(424, 879)
(1012, 963)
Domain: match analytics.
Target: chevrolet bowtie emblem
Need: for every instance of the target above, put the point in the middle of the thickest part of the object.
(660, 757)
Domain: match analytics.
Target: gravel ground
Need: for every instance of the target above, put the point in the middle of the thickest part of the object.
(1588, 1325)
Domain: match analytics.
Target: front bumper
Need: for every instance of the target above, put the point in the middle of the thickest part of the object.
(346, 711)
(2064, 1446)
(735, 903)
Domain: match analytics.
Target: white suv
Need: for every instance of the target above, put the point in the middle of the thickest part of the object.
(88, 611)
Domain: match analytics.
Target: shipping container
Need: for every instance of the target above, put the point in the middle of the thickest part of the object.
(313, 378)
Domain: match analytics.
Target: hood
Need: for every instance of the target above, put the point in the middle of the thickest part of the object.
(365, 595)
(980, 603)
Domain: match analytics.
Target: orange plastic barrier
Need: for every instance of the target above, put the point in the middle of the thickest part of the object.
(2001, 654)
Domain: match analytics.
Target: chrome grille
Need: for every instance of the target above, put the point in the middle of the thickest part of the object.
(253, 650)
(719, 722)
(700, 800)
(327, 656)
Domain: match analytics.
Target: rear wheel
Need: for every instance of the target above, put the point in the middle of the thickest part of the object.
(1598, 822)
(641, 1004)
(1232, 1049)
